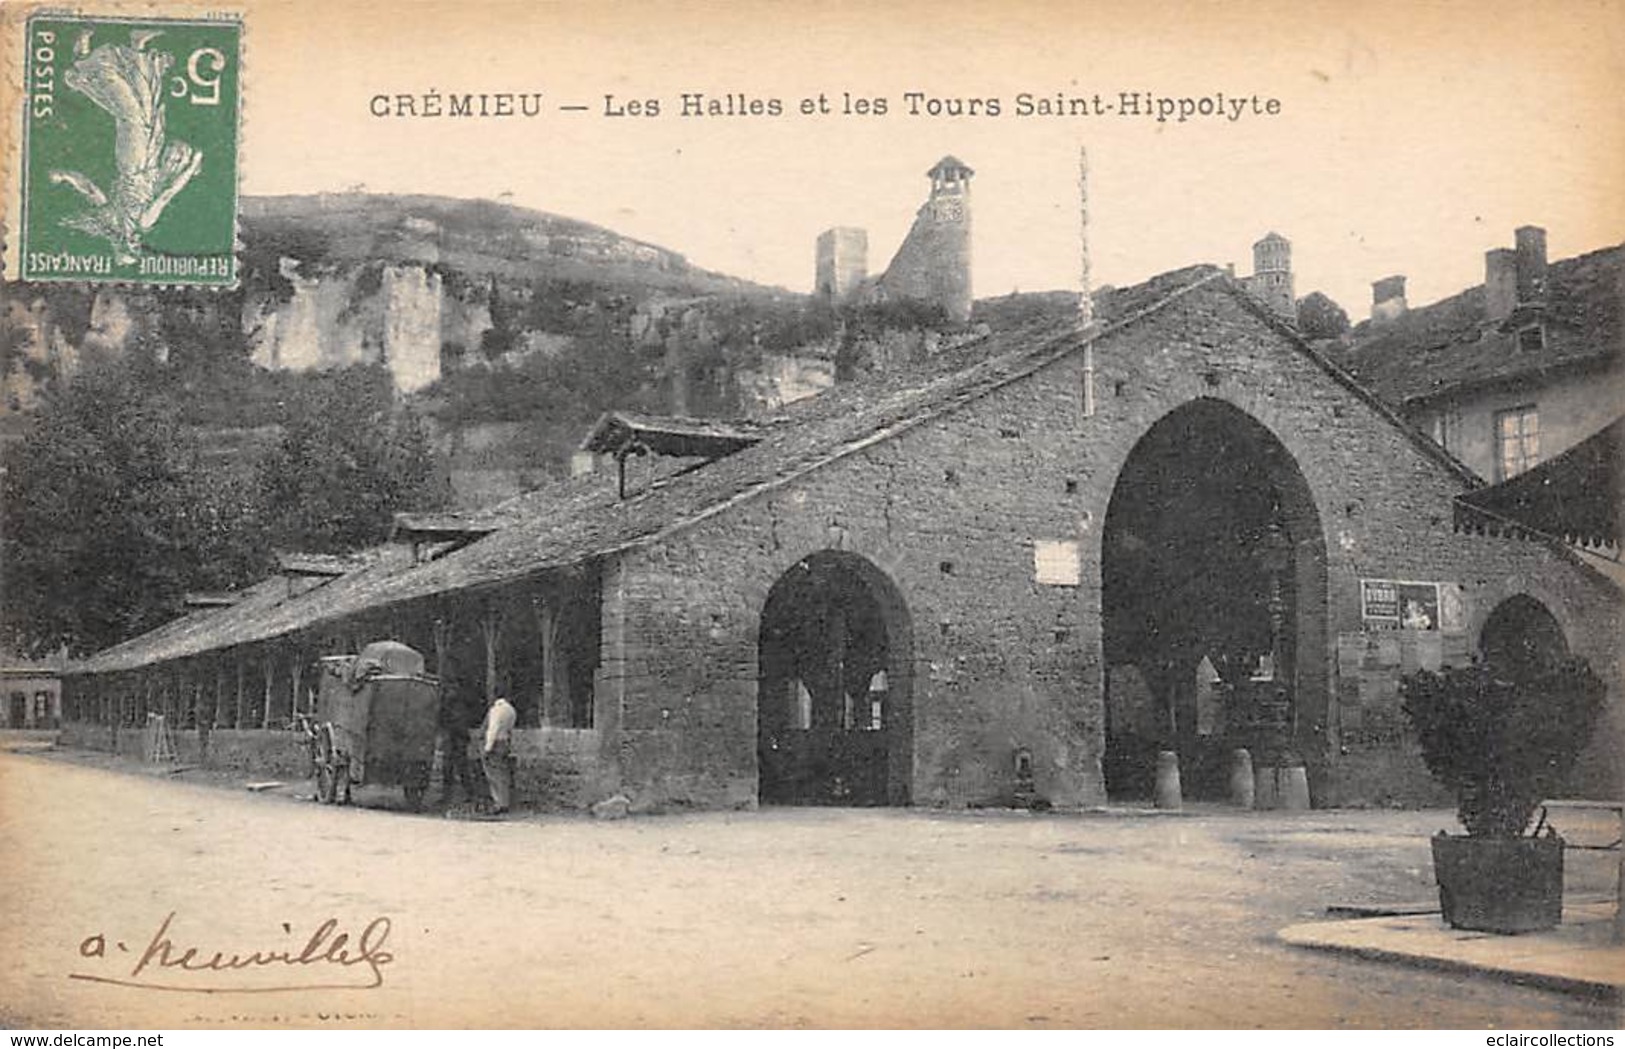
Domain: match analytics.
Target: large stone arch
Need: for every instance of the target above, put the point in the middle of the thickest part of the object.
(1212, 546)
(835, 685)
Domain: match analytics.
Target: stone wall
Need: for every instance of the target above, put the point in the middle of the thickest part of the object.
(256, 753)
(557, 769)
(560, 768)
(951, 510)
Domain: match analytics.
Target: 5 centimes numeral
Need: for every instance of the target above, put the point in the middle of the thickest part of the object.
(130, 150)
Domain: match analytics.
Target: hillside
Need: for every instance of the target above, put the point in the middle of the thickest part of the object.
(510, 328)
(477, 238)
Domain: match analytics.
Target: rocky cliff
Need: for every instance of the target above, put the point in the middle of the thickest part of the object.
(484, 312)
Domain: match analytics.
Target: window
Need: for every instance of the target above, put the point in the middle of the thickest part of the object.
(1517, 440)
(1447, 428)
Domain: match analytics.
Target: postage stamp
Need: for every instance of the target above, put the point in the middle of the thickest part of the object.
(130, 150)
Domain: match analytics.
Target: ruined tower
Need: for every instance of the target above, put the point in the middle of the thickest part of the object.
(933, 264)
(843, 262)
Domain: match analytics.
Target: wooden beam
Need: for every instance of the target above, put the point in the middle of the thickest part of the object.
(296, 669)
(198, 721)
(268, 661)
(555, 690)
(242, 695)
(491, 629)
(441, 633)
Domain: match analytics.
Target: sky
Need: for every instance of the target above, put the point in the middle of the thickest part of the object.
(1409, 138)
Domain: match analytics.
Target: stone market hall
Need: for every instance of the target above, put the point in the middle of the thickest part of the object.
(1022, 571)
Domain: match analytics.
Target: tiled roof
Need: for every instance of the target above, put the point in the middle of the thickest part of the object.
(1450, 346)
(1574, 496)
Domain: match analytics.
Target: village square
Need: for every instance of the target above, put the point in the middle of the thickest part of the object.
(1050, 675)
(671, 522)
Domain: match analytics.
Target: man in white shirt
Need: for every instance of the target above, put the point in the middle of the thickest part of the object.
(499, 722)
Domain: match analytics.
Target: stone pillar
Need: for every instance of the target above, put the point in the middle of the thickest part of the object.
(1243, 790)
(1169, 794)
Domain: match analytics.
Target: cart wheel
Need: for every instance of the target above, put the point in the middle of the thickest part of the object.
(326, 773)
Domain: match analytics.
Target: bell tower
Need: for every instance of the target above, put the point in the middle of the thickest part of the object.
(933, 264)
(1272, 274)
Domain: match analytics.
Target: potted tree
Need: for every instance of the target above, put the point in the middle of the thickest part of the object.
(1503, 738)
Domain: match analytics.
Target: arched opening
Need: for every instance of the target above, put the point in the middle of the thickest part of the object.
(1521, 638)
(834, 700)
(1213, 604)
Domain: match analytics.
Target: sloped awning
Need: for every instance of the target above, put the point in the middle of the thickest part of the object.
(616, 432)
(1574, 497)
(439, 528)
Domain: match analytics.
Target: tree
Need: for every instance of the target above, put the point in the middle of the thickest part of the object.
(1321, 318)
(348, 461)
(108, 518)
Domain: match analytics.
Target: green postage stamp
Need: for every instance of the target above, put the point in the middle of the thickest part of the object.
(130, 150)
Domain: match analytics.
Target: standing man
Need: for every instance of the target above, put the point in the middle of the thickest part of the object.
(499, 722)
(456, 718)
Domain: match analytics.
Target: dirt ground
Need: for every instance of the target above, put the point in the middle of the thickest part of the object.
(779, 918)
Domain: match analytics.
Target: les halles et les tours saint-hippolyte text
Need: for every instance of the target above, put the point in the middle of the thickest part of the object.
(1140, 105)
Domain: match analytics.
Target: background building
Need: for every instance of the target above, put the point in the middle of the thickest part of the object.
(32, 695)
(1509, 373)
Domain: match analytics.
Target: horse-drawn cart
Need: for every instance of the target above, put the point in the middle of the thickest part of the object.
(376, 716)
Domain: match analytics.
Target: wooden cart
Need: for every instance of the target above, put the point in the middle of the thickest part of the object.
(376, 719)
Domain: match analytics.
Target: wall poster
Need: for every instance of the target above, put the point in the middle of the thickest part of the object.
(1388, 604)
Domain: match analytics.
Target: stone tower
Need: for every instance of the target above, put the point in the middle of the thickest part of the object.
(843, 262)
(933, 264)
(1272, 275)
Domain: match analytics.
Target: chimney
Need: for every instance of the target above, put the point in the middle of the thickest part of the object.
(1531, 252)
(1500, 283)
(1387, 298)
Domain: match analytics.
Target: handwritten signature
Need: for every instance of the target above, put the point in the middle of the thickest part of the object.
(163, 961)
